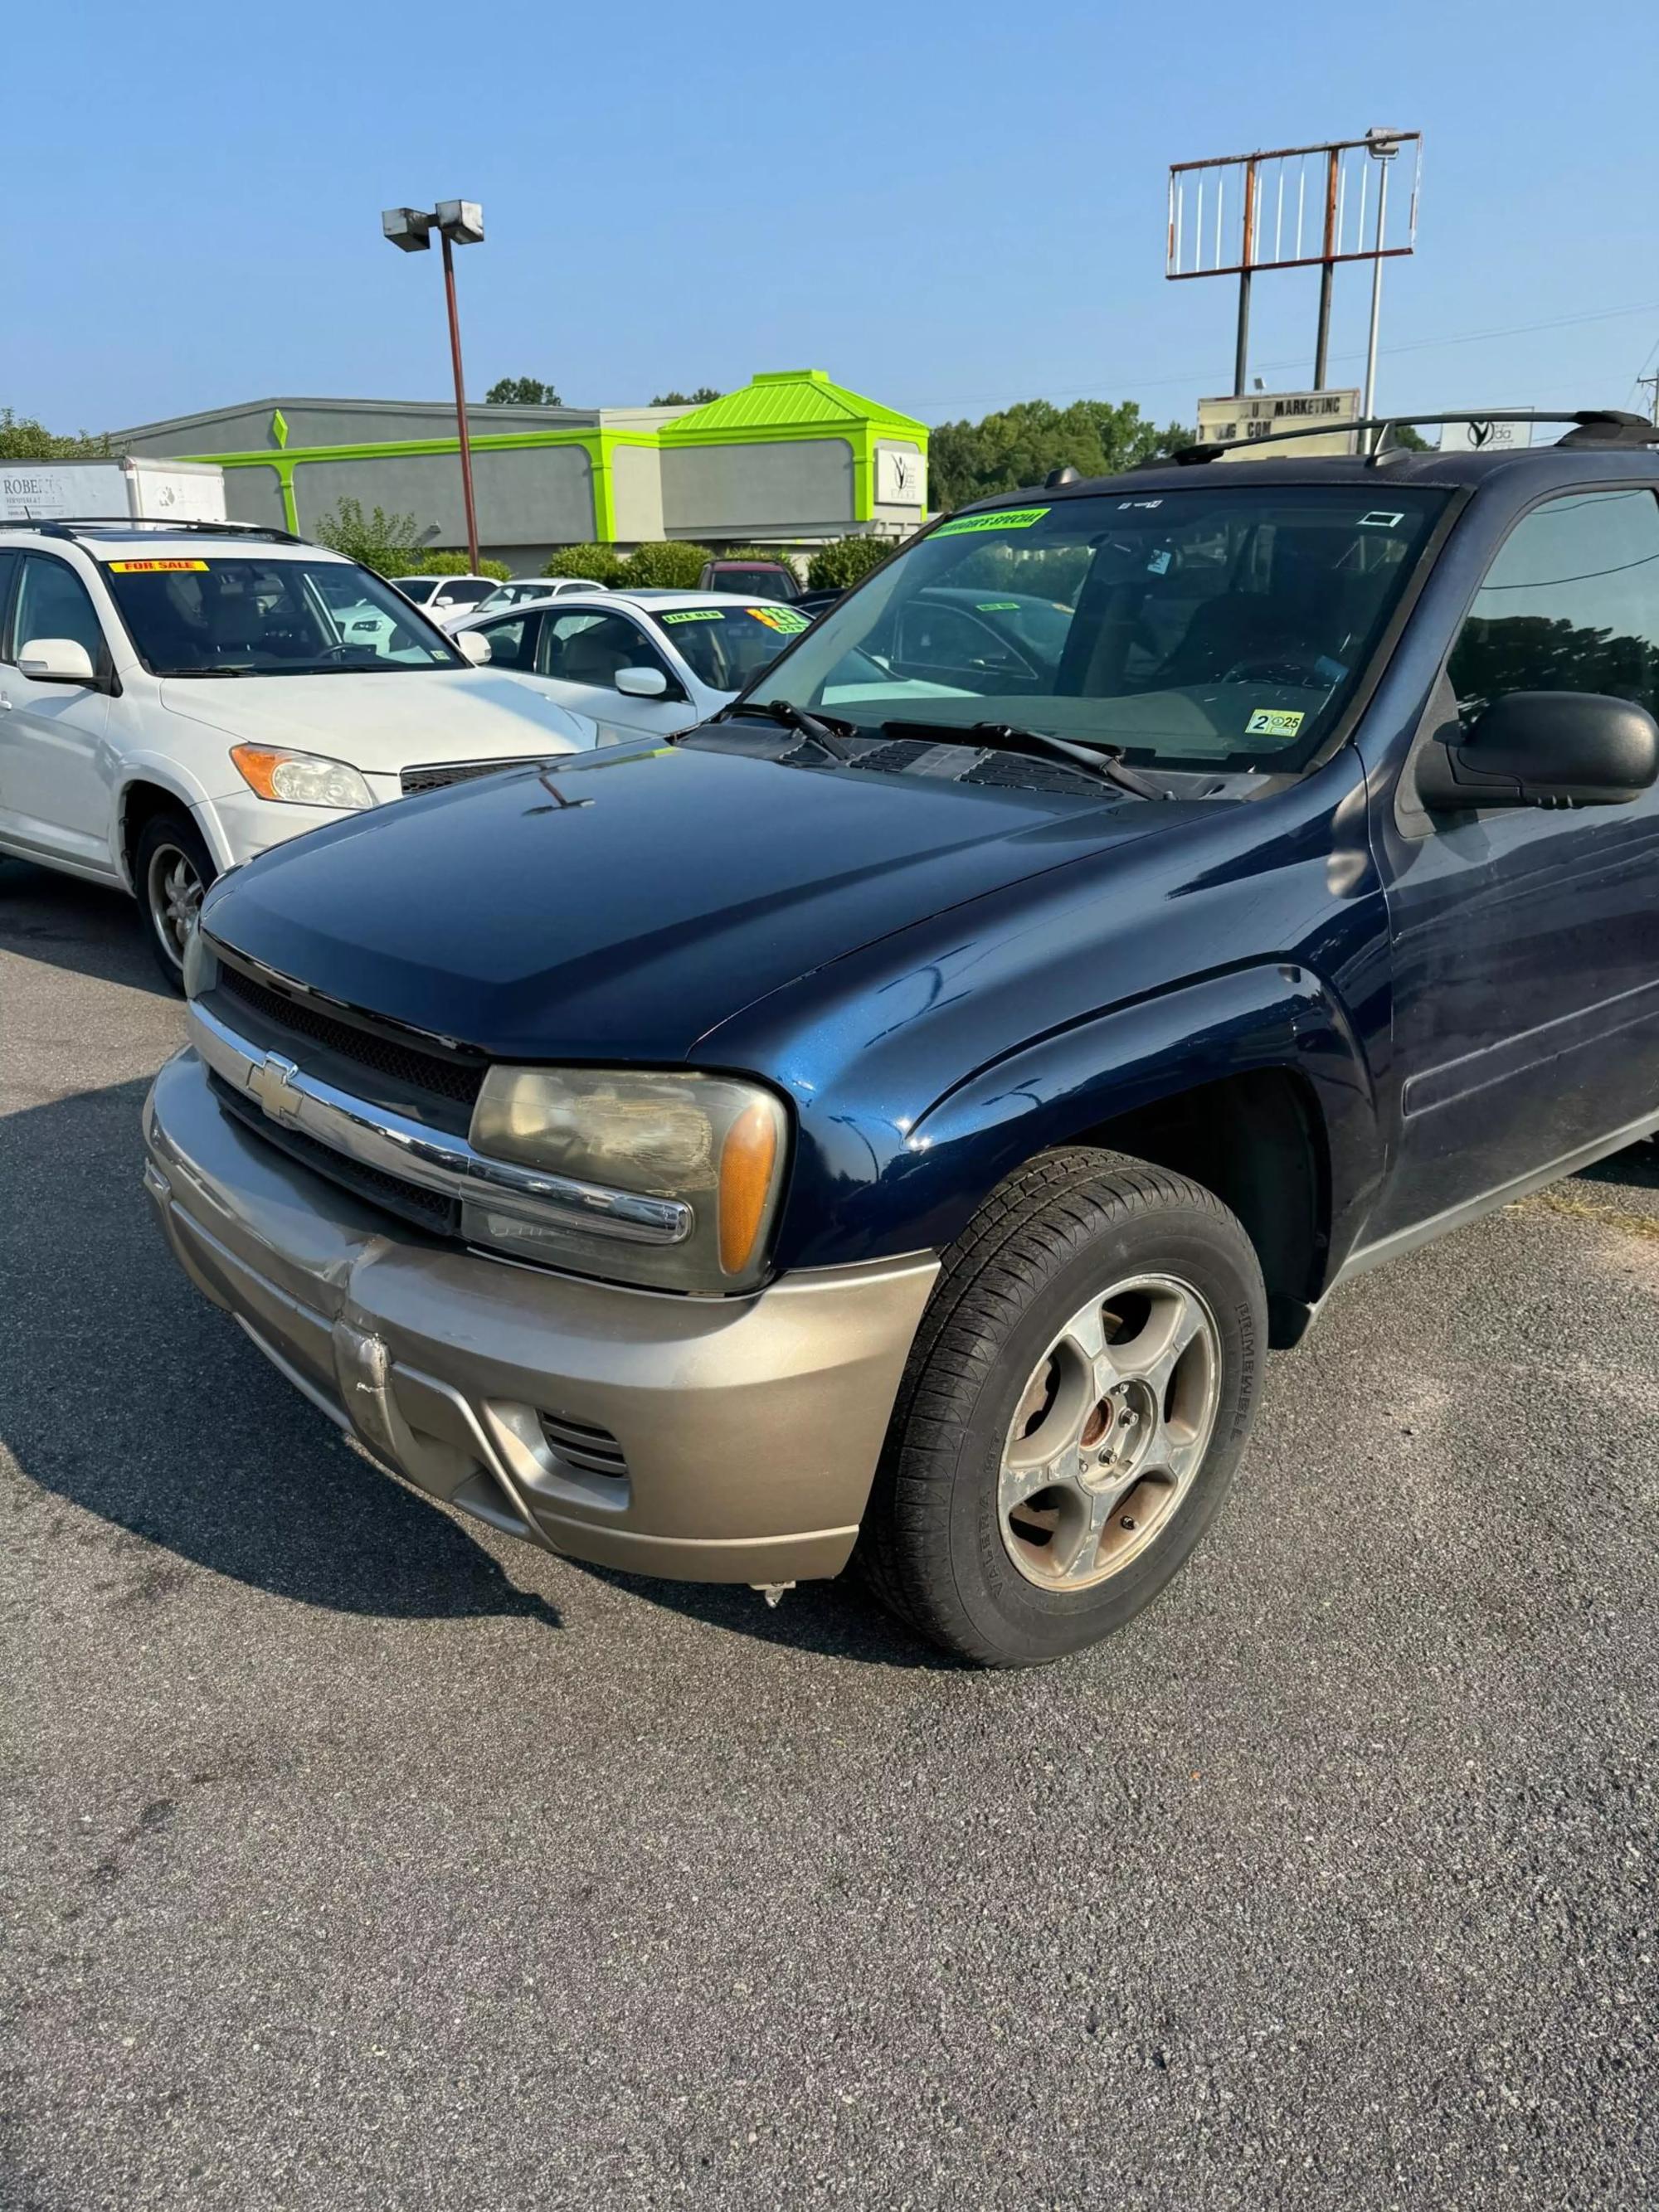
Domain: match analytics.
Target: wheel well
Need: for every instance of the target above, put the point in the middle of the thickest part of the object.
(140, 804)
(1255, 1139)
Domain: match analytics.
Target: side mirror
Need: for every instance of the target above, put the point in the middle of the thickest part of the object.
(56, 660)
(473, 645)
(1544, 749)
(641, 682)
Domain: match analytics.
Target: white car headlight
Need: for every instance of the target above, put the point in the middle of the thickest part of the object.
(711, 1150)
(302, 779)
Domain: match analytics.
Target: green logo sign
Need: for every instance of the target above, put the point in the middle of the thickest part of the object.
(1010, 518)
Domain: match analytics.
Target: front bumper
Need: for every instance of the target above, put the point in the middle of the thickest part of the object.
(745, 1431)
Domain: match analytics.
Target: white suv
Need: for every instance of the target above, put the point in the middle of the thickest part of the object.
(175, 699)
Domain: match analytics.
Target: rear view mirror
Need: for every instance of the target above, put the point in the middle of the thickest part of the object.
(640, 682)
(1544, 749)
(475, 646)
(56, 660)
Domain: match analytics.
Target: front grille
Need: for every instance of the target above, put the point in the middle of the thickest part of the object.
(427, 1209)
(423, 1071)
(583, 1446)
(433, 776)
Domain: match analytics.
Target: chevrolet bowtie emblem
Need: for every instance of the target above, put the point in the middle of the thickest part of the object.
(272, 1083)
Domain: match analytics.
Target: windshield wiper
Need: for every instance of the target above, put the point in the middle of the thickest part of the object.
(1104, 763)
(827, 736)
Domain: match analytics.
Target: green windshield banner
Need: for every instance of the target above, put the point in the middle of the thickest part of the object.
(1011, 517)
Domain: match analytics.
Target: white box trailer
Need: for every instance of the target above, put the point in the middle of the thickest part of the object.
(157, 491)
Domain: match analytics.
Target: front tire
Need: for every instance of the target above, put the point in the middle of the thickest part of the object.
(171, 868)
(1073, 1410)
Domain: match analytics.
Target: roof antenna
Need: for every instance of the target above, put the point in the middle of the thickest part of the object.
(1064, 475)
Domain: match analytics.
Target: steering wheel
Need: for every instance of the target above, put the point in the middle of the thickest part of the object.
(1277, 668)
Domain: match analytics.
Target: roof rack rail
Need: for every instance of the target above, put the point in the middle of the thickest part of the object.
(1592, 426)
(94, 526)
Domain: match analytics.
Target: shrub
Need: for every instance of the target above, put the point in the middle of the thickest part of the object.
(666, 562)
(838, 567)
(759, 553)
(603, 563)
(388, 543)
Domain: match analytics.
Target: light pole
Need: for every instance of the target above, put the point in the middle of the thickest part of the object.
(457, 222)
(1383, 146)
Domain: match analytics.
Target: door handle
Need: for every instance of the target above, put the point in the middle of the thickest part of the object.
(5, 704)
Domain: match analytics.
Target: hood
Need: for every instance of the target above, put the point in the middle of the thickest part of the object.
(624, 904)
(381, 723)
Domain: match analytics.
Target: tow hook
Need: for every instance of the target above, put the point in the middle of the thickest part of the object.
(772, 1592)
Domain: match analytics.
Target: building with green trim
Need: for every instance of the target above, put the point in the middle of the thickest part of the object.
(792, 459)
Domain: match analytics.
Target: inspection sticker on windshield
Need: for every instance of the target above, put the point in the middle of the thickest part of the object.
(1380, 518)
(779, 618)
(1010, 518)
(150, 567)
(1274, 722)
(698, 614)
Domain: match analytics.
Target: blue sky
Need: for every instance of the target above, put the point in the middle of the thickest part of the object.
(949, 207)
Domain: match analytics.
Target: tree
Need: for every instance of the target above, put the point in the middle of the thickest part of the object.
(700, 397)
(388, 543)
(1021, 445)
(1413, 441)
(522, 392)
(23, 438)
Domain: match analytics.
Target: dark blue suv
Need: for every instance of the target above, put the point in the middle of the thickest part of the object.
(896, 1117)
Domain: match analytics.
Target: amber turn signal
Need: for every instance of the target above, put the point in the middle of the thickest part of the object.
(748, 1160)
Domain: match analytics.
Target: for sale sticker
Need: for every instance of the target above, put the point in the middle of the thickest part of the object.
(151, 567)
(780, 618)
(1274, 722)
(698, 614)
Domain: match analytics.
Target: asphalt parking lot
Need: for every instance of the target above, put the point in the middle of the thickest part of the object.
(354, 1855)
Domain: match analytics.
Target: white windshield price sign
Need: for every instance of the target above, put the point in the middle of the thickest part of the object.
(1242, 420)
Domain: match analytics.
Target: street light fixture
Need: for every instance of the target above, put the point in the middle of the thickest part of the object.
(457, 222)
(1383, 146)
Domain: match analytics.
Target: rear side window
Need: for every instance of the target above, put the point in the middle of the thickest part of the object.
(53, 602)
(1570, 604)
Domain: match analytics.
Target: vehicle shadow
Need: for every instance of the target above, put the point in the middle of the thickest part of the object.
(64, 922)
(124, 1392)
(835, 1620)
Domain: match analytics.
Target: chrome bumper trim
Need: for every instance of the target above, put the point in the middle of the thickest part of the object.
(376, 1137)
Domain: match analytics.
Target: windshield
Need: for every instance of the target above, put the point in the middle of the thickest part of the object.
(1221, 628)
(242, 616)
(729, 647)
(418, 588)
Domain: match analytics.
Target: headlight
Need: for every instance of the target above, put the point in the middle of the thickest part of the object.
(715, 1147)
(302, 779)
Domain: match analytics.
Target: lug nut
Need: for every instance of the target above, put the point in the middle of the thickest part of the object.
(1128, 1522)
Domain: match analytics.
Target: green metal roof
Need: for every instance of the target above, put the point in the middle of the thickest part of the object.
(787, 399)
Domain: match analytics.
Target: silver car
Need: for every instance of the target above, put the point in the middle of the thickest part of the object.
(640, 663)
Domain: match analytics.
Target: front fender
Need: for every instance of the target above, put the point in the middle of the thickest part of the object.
(1061, 1089)
(163, 773)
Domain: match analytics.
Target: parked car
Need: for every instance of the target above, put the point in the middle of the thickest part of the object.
(901, 1113)
(439, 596)
(130, 756)
(753, 579)
(645, 662)
(519, 592)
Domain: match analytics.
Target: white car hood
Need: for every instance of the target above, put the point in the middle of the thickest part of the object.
(382, 723)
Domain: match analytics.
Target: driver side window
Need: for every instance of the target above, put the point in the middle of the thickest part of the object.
(53, 602)
(1570, 604)
(585, 646)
